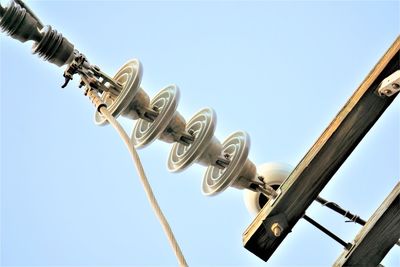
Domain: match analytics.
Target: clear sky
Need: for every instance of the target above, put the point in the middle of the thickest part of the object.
(278, 70)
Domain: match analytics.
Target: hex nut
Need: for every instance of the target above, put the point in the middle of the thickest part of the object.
(276, 229)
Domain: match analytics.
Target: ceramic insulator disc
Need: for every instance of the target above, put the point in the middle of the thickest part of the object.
(166, 102)
(216, 180)
(202, 125)
(129, 76)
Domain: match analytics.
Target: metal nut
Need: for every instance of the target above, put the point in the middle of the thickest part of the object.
(276, 229)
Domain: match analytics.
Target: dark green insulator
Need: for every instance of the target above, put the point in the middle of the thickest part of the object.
(2, 10)
(54, 47)
(19, 24)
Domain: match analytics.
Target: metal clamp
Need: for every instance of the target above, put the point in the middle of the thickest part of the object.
(390, 85)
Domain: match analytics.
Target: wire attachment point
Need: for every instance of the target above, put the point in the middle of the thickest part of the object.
(95, 99)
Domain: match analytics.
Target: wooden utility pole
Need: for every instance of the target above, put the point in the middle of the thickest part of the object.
(322, 161)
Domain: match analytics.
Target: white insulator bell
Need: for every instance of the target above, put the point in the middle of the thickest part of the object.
(128, 100)
(205, 148)
(273, 174)
(168, 126)
(240, 172)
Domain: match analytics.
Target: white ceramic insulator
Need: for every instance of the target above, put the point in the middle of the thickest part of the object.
(165, 102)
(205, 148)
(129, 76)
(274, 174)
(240, 173)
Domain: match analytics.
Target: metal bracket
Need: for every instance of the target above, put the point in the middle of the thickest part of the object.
(278, 194)
(351, 248)
(390, 85)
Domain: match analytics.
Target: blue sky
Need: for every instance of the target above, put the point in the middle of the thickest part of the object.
(278, 70)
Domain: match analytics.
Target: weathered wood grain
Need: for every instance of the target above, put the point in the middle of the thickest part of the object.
(377, 237)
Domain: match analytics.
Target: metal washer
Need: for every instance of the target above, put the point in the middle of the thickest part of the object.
(216, 180)
(166, 102)
(202, 124)
(130, 76)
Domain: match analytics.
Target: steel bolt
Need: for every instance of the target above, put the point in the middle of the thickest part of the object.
(276, 229)
(387, 92)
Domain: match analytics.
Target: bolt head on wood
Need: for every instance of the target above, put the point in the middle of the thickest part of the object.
(276, 229)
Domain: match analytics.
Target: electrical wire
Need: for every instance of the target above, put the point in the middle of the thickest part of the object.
(101, 107)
